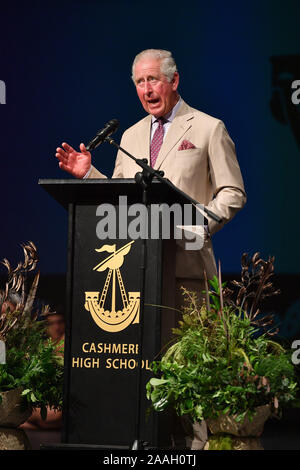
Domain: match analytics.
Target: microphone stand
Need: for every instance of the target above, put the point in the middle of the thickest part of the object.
(144, 178)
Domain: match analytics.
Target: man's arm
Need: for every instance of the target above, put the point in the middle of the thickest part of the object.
(226, 178)
(118, 170)
(94, 173)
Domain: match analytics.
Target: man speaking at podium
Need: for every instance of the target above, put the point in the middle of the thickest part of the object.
(192, 148)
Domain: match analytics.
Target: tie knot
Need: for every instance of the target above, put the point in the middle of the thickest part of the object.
(161, 121)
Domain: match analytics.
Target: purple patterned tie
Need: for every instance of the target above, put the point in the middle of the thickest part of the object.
(157, 141)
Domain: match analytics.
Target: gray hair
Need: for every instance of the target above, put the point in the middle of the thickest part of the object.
(167, 66)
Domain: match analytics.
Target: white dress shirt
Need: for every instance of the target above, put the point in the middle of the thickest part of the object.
(168, 119)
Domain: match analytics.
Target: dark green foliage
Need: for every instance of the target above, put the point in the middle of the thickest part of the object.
(32, 363)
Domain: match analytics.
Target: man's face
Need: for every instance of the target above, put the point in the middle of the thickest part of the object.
(157, 95)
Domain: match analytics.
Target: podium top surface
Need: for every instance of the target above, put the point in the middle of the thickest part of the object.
(96, 191)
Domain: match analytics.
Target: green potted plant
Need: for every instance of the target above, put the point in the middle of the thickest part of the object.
(31, 376)
(223, 367)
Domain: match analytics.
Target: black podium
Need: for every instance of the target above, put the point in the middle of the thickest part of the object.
(103, 312)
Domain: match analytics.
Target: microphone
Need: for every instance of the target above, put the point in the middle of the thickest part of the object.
(101, 135)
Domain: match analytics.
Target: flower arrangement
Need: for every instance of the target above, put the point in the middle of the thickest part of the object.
(224, 360)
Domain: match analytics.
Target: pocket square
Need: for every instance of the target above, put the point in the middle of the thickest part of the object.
(185, 145)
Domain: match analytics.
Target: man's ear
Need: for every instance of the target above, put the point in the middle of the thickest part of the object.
(175, 81)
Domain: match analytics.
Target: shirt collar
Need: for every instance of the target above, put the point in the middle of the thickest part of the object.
(171, 114)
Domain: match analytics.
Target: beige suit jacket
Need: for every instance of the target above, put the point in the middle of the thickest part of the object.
(209, 173)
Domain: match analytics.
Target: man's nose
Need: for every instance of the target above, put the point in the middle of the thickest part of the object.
(148, 88)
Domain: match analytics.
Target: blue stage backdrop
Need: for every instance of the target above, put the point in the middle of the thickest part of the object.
(66, 66)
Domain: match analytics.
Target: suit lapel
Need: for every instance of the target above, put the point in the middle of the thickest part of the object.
(181, 123)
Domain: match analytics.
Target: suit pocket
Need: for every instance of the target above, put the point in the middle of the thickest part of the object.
(190, 161)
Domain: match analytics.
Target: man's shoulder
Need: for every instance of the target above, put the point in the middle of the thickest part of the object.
(185, 112)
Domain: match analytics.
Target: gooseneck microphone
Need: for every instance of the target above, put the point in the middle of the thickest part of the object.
(101, 135)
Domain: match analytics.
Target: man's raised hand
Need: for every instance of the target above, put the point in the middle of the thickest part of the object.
(75, 163)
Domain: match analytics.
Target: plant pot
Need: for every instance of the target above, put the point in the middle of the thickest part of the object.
(195, 433)
(13, 439)
(244, 435)
(12, 414)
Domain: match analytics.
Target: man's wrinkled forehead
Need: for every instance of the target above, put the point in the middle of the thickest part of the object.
(147, 66)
